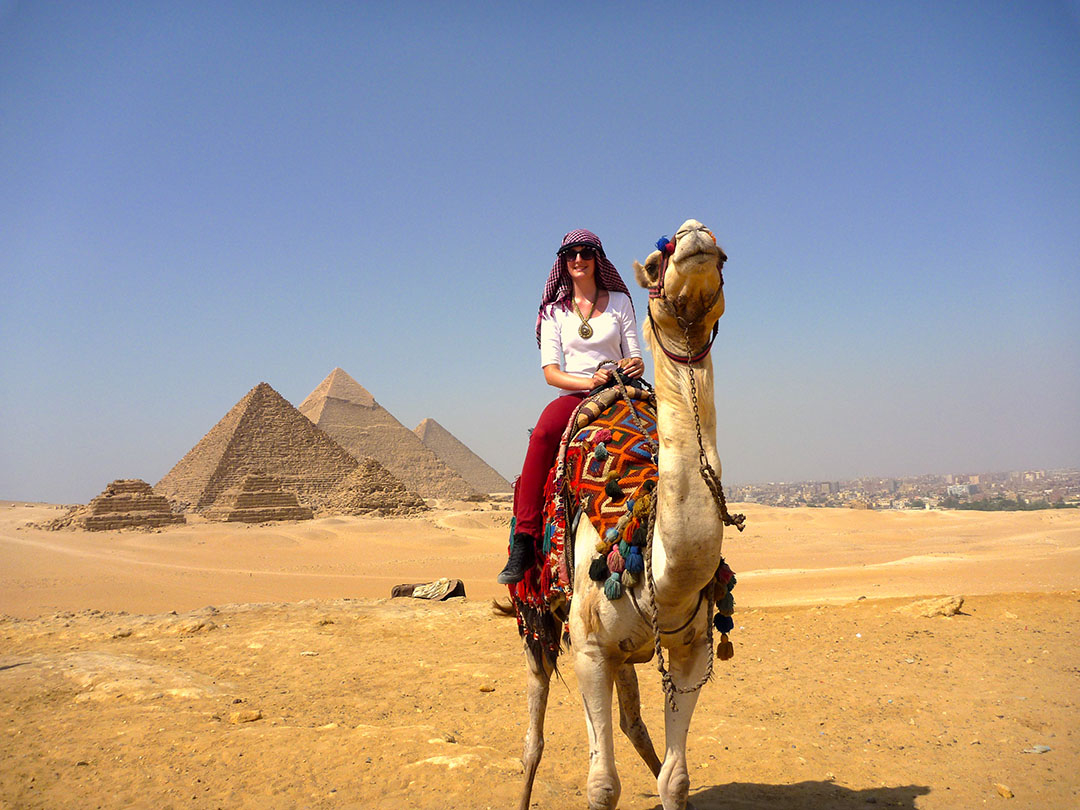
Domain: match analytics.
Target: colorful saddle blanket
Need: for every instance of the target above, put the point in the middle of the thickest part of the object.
(606, 471)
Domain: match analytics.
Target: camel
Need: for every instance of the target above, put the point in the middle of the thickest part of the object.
(609, 638)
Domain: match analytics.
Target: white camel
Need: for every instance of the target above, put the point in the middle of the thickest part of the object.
(609, 638)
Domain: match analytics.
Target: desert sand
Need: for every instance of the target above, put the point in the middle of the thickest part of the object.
(221, 665)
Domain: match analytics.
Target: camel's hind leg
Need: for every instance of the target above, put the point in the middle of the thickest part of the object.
(626, 685)
(539, 683)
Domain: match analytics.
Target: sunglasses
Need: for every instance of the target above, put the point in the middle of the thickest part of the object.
(585, 253)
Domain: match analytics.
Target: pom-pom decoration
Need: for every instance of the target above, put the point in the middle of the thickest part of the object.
(602, 547)
(624, 548)
(629, 579)
(598, 570)
(613, 587)
(643, 505)
(665, 245)
(612, 535)
(640, 536)
(726, 606)
(603, 435)
(613, 490)
(635, 562)
(649, 485)
(615, 562)
(725, 624)
(600, 452)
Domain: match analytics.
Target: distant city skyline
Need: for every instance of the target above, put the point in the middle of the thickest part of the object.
(200, 197)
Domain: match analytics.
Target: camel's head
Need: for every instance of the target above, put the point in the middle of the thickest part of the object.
(685, 284)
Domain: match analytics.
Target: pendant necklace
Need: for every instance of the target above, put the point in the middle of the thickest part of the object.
(584, 330)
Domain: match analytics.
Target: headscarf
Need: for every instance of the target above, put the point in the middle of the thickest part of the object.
(560, 286)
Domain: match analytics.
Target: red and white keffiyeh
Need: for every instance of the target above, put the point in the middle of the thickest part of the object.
(560, 286)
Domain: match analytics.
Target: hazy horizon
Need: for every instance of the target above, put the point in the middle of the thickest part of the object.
(199, 198)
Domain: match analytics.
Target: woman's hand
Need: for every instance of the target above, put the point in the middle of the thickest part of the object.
(602, 376)
(632, 366)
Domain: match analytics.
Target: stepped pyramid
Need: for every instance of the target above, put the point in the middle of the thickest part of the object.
(262, 434)
(459, 458)
(351, 416)
(372, 489)
(125, 503)
(256, 499)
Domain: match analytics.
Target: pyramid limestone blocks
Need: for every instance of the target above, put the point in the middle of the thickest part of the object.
(371, 489)
(125, 504)
(258, 498)
(262, 434)
(349, 414)
(459, 458)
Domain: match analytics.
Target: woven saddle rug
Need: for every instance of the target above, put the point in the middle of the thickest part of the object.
(606, 471)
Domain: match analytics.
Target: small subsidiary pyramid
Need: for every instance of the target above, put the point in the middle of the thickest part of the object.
(257, 499)
(128, 503)
(371, 489)
(459, 458)
(349, 414)
(263, 434)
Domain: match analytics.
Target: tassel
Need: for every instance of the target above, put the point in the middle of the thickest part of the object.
(603, 547)
(603, 436)
(641, 537)
(635, 563)
(548, 532)
(731, 582)
(642, 506)
(726, 606)
(598, 570)
(649, 485)
(725, 624)
(615, 562)
(719, 591)
(624, 548)
(600, 452)
(620, 527)
(725, 650)
(611, 536)
(612, 489)
(629, 579)
(613, 587)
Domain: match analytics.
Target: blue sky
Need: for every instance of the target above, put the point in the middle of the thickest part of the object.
(198, 197)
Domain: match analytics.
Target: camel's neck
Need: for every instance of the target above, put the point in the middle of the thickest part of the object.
(688, 522)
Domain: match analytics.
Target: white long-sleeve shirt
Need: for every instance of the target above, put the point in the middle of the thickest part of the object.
(614, 337)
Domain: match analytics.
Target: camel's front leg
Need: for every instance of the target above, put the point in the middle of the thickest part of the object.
(539, 683)
(626, 684)
(596, 675)
(687, 666)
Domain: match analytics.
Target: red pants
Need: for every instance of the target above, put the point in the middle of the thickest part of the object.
(540, 458)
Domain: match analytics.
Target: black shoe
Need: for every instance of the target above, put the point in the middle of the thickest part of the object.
(522, 558)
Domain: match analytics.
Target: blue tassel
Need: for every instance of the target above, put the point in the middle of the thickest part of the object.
(598, 570)
(630, 504)
(600, 452)
(635, 563)
(725, 624)
(613, 587)
(612, 535)
(662, 243)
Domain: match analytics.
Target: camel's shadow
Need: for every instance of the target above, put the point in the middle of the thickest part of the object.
(802, 795)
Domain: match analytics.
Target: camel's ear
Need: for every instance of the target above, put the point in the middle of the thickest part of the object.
(648, 275)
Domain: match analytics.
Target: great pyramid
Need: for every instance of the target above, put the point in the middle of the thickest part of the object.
(351, 416)
(125, 504)
(459, 458)
(262, 434)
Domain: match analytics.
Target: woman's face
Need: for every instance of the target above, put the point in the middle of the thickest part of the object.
(581, 262)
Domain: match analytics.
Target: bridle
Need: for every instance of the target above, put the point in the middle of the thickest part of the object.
(659, 293)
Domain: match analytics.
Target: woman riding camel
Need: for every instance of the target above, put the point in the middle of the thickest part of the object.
(586, 318)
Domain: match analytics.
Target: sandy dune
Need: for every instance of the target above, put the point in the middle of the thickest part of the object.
(111, 700)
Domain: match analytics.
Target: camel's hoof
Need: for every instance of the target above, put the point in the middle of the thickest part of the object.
(603, 797)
